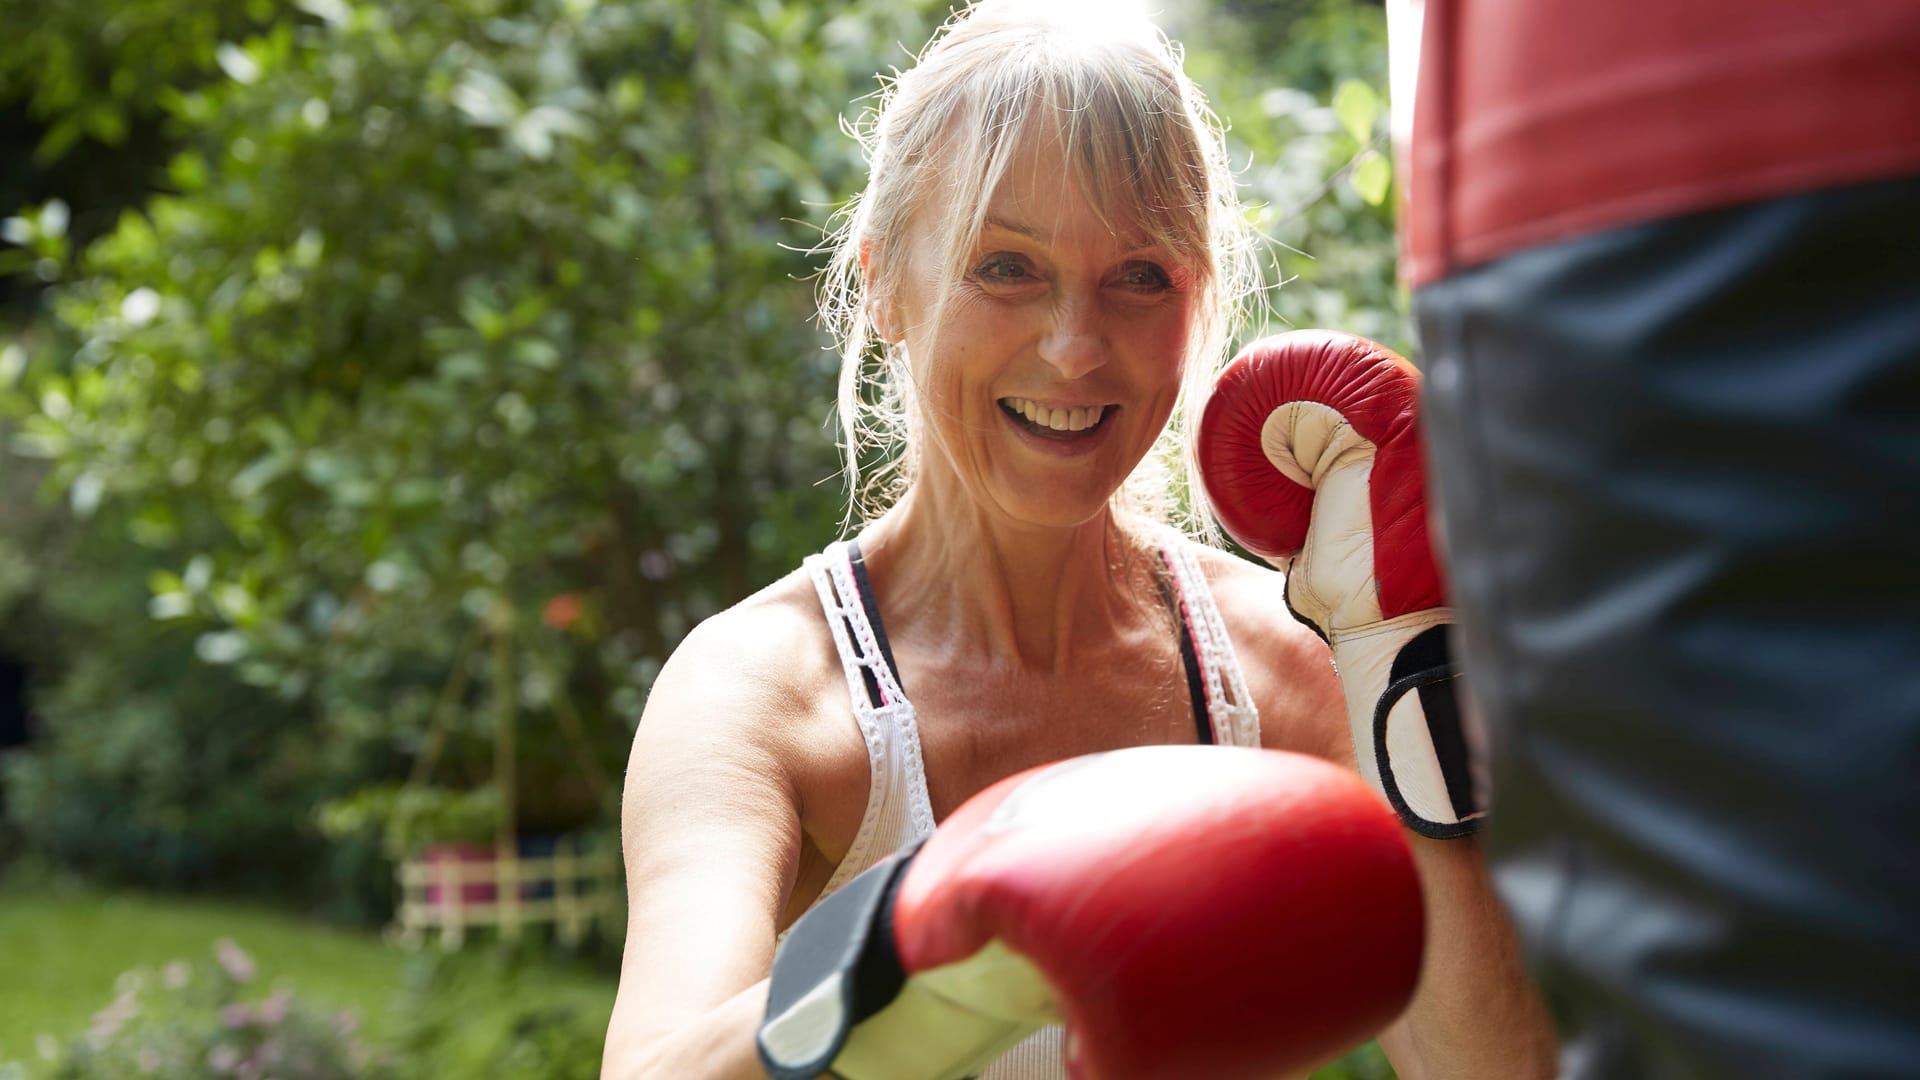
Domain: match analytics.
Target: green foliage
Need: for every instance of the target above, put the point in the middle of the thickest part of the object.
(1368, 1062)
(65, 944)
(190, 1021)
(452, 1024)
(408, 818)
(92, 69)
(1303, 87)
(459, 306)
(153, 768)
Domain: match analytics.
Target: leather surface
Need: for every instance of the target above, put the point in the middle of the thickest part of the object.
(1679, 468)
(1376, 392)
(1541, 120)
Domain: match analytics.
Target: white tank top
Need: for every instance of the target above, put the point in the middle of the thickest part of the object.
(898, 809)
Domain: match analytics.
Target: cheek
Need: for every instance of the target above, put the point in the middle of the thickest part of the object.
(1169, 342)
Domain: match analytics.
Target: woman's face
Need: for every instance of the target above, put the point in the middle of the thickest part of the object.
(1057, 355)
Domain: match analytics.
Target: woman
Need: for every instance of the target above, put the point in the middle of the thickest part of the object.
(1047, 255)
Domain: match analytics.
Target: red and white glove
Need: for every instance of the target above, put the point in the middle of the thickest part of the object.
(1183, 910)
(1310, 452)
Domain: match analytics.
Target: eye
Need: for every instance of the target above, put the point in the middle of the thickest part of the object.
(1146, 277)
(1005, 268)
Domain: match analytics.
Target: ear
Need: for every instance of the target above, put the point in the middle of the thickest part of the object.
(881, 314)
(882, 317)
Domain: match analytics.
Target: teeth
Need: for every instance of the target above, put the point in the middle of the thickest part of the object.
(1073, 419)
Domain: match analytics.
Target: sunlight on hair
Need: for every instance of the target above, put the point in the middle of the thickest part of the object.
(1095, 18)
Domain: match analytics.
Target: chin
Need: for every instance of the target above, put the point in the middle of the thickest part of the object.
(1056, 509)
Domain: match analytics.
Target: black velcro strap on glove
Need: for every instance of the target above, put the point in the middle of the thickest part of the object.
(1426, 665)
(838, 967)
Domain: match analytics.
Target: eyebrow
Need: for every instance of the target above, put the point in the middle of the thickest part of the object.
(1013, 227)
(1135, 245)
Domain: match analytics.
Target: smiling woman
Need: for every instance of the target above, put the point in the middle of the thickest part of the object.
(1043, 270)
(1027, 145)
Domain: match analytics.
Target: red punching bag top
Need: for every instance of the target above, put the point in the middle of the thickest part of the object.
(1542, 120)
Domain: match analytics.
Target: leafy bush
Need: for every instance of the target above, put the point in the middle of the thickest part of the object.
(195, 1021)
(452, 308)
(407, 819)
(457, 306)
(449, 1029)
(153, 768)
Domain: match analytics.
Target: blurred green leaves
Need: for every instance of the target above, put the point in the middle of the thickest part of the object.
(1357, 106)
(480, 276)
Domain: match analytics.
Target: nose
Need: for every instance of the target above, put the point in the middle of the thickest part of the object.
(1075, 343)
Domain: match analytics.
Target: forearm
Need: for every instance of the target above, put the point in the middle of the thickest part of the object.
(715, 1045)
(1476, 1013)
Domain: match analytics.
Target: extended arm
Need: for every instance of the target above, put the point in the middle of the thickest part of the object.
(711, 831)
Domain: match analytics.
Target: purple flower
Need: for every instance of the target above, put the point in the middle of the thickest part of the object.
(223, 1059)
(233, 960)
(235, 1016)
(274, 1009)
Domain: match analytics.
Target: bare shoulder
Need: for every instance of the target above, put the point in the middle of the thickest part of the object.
(748, 677)
(720, 763)
(1289, 670)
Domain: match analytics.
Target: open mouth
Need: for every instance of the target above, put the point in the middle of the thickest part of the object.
(1077, 422)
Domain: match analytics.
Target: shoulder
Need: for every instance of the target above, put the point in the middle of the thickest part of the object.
(749, 673)
(744, 694)
(1289, 670)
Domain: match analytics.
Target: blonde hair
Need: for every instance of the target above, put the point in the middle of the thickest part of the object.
(939, 139)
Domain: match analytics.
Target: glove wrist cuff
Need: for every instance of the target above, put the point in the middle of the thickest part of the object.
(1409, 733)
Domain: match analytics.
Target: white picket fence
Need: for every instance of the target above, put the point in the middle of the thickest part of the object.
(446, 892)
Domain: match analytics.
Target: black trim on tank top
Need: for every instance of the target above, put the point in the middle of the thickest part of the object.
(864, 586)
(1169, 590)
(1189, 656)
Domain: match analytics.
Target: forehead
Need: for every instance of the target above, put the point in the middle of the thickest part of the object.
(1054, 195)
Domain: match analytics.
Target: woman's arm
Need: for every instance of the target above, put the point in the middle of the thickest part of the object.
(710, 827)
(1476, 1013)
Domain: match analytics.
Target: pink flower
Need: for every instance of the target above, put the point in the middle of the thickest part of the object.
(274, 1009)
(235, 1016)
(175, 975)
(108, 1021)
(223, 1059)
(233, 960)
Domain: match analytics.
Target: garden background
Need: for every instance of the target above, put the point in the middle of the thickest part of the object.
(377, 378)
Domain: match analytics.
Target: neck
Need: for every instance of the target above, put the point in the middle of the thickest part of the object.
(1008, 592)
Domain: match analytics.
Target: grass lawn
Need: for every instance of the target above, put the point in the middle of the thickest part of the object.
(62, 947)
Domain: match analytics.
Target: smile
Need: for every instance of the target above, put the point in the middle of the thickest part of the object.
(1056, 422)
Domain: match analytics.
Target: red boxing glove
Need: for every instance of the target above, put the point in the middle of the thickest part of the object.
(1183, 910)
(1310, 452)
